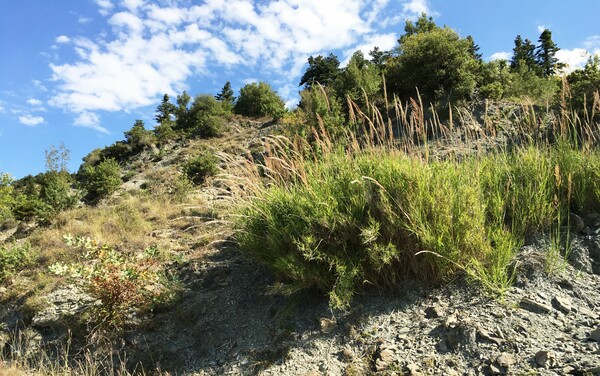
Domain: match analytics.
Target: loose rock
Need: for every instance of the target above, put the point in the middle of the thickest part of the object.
(562, 304)
(534, 306)
(327, 325)
(545, 359)
(576, 223)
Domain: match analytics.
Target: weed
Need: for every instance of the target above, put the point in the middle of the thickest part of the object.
(15, 258)
(124, 284)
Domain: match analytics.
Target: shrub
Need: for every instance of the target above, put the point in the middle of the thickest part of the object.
(14, 259)
(43, 196)
(347, 220)
(102, 180)
(439, 62)
(123, 283)
(527, 84)
(138, 137)
(201, 167)
(207, 116)
(6, 196)
(259, 99)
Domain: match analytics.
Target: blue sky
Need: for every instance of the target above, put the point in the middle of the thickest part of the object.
(81, 71)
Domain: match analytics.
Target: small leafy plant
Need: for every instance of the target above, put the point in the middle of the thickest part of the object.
(124, 284)
(201, 167)
(14, 258)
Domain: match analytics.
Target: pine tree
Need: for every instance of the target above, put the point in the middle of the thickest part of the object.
(545, 54)
(523, 55)
(226, 93)
(165, 110)
(183, 120)
(226, 96)
(423, 25)
(323, 70)
(379, 57)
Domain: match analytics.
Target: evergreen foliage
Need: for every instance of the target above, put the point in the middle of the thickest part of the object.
(523, 55)
(201, 167)
(165, 111)
(226, 97)
(322, 70)
(101, 180)
(259, 99)
(437, 62)
(545, 54)
(138, 137)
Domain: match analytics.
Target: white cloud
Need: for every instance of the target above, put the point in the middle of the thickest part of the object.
(31, 120)
(105, 6)
(574, 59)
(592, 43)
(63, 39)
(38, 85)
(416, 8)
(132, 5)
(541, 28)
(34, 102)
(385, 42)
(155, 48)
(500, 56)
(84, 20)
(90, 120)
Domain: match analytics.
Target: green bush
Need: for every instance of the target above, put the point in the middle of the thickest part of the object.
(207, 114)
(138, 137)
(6, 196)
(527, 84)
(201, 167)
(121, 282)
(102, 180)
(42, 196)
(14, 259)
(364, 219)
(259, 99)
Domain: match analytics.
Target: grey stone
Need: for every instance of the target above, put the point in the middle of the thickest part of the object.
(484, 334)
(592, 220)
(534, 306)
(546, 359)
(595, 335)
(384, 360)
(413, 369)
(506, 360)
(562, 304)
(579, 256)
(435, 311)
(327, 325)
(576, 224)
(497, 370)
(348, 354)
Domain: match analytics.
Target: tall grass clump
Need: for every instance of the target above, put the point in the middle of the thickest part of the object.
(381, 209)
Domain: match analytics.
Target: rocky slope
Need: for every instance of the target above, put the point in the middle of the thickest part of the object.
(230, 320)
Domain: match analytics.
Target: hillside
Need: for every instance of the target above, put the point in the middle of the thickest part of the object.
(227, 313)
(377, 229)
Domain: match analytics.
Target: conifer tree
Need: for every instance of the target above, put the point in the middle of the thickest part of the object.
(165, 110)
(226, 96)
(545, 54)
(323, 70)
(523, 55)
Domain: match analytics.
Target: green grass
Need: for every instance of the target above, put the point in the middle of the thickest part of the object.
(14, 259)
(377, 216)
